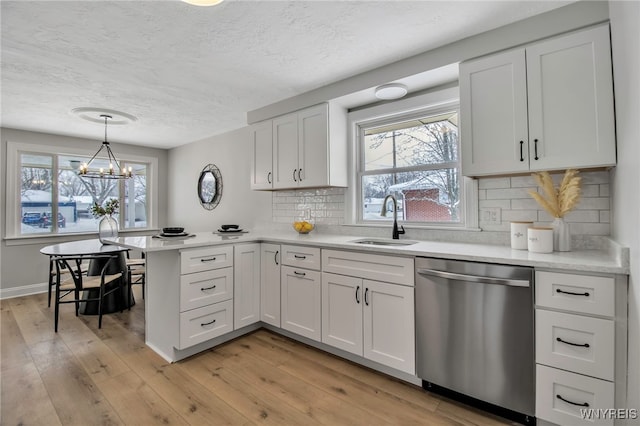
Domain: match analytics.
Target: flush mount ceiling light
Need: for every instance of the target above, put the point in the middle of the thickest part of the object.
(203, 2)
(114, 171)
(391, 91)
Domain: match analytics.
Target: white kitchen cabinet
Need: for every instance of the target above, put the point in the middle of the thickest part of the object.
(262, 159)
(342, 312)
(369, 318)
(300, 301)
(246, 297)
(389, 325)
(546, 106)
(309, 148)
(270, 255)
(580, 345)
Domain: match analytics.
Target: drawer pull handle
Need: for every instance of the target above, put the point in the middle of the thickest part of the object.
(207, 288)
(211, 259)
(366, 293)
(586, 294)
(301, 274)
(584, 345)
(299, 257)
(358, 294)
(579, 404)
(535, 148)
(207, 323)
(275, 257)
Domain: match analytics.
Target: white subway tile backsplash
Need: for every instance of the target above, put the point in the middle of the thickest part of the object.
(509, 196)
(491, 183)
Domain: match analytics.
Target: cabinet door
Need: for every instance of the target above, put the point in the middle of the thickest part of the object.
(570, 90)
(300, 301)
(246, 294)
(342, 312)
(493, 114)
(270, 284)
(262, 160)
(285, 151)
(389, 328)
(313, 148)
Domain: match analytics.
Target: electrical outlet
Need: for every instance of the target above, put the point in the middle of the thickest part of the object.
(490, 215)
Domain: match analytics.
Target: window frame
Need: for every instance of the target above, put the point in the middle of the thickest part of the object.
(13, 205)
(429, 104)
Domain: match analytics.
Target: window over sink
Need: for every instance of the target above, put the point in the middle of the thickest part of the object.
(413, 154)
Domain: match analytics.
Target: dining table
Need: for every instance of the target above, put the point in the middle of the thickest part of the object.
(113, 302)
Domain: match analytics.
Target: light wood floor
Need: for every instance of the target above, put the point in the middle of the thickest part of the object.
(83, 375)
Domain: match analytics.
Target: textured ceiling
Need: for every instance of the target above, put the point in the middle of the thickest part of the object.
(189, 72)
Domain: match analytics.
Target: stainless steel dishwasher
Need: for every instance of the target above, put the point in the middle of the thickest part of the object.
(475, 334)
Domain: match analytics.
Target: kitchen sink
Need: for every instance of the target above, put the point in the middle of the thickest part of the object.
(383, 242)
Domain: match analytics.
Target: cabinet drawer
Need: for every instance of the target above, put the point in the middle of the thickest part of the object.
(578, 293)
(205, 288)
(391, 269)
(561, 395)
(577, 343)
(303, 257)
(201, 324)
(205, 259)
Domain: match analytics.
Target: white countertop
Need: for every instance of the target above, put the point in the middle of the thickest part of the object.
(611, 261)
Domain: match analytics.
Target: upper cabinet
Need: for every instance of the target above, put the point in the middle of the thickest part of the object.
(547, 106)
(305, 149)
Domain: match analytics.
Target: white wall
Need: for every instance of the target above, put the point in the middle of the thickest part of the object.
(625, 36)
(240, 205)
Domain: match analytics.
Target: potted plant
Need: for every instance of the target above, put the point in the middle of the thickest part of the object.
(108, 226)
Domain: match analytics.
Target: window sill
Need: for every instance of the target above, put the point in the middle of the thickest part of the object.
(414, 226)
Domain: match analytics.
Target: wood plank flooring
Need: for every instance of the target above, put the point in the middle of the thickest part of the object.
(84, 376)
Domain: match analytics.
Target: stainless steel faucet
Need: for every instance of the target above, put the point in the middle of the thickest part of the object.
(396, 232)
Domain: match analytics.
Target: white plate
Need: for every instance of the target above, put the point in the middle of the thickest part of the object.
(181, 234)
(229, 231)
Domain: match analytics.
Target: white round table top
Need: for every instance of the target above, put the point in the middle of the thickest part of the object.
(81, 248)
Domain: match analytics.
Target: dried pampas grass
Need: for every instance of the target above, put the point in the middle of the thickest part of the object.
(557, 201)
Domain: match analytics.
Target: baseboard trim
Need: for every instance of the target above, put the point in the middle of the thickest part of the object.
(25, 290)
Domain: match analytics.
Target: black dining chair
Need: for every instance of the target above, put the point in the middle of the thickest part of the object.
(53, 275)
(71, 280)
(137, 273)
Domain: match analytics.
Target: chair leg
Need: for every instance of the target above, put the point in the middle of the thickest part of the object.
(50, 281)
(57, 307)
(129, 285)
(76, 294)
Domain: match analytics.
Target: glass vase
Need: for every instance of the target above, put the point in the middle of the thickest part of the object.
(107, 228)
(561, 235)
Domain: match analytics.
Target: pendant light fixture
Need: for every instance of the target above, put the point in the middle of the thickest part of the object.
(114, 171)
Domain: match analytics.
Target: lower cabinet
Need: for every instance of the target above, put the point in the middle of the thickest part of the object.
(246, 292)
(369, 318)
(270, 256)
(300, 301)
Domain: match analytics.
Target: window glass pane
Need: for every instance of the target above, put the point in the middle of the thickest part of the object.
(135, 211)
(76, 196)
(430, 140)
(35, 192)
(422, 196)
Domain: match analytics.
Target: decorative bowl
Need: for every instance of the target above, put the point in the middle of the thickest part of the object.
(303, 226)
(173, 230)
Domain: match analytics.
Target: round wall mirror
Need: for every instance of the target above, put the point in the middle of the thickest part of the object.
(210, 187)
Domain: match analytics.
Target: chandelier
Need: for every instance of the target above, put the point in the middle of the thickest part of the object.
(114, 171)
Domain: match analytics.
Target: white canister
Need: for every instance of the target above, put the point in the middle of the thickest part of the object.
(540, 240)
(519, 235)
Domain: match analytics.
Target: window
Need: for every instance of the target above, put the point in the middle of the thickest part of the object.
(50, 198)
(414, 156)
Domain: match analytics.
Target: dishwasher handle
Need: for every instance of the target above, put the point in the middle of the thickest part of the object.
(473, 278)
